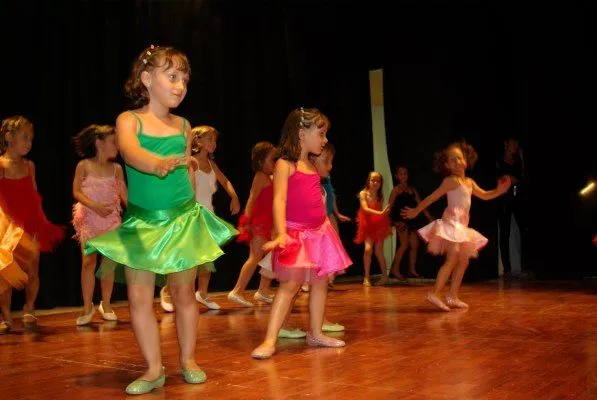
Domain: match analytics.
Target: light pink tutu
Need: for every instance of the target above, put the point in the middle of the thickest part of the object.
(88, 223)
(310, 254)
(453, 227)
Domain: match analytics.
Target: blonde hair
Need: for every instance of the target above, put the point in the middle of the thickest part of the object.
(11, 125)
(199, 132)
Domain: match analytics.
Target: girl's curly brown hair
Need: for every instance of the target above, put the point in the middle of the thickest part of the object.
(85, 140)
(11, 125)
(300, 118)
(259, 154)
(440, 158)
(148, 60)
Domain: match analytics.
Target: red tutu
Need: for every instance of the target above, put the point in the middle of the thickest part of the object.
(260, 222)
(22, 203)
(375, 227)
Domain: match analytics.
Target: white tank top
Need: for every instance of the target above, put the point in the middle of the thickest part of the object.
(205, 187)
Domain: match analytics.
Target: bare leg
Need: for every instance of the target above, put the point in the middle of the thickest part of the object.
(381, 259)
(412, 259)
(87, 279)
(367, 261)
(403, 236)
(140, 286)
(182, 289)
(31, 289)
(278, 314)
(255, 255)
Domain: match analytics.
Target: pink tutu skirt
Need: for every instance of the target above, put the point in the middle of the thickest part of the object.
(88, 224)
(310, 254)
(441, 232)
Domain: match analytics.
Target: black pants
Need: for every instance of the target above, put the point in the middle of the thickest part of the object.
(509, 208)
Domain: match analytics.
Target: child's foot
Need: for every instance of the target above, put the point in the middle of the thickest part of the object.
(269, 299)
(414, 274)
(264, 351)
(366, 282)
(455, 302)
(212, 305)
(86, 317)
(166, 300)
(323, 341)
(191, 372)
(237, 298)
(383, 281)
(107, 313)
(436, 301)
(329, 327)
(397, 274)
(5, 327)
(291, 334)
(29, 317)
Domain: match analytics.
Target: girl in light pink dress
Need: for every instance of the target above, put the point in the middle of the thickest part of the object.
(451, 235)
(99, 189)
(306, 247)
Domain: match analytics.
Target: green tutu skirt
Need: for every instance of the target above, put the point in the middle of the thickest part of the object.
(162, 241)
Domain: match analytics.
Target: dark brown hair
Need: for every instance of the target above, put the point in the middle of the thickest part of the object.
(440, 158)
(300, 118)
(199, 132)
(151, 58)
(85, 140)
(259, 154)
(380, 190)
(11, 125)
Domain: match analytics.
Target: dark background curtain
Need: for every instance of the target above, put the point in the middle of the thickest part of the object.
(476, 70)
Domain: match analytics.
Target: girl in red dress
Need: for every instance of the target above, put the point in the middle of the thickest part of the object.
(23, 204)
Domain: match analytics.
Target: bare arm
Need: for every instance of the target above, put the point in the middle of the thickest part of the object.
(427, 214)
(227, 185)
(446, 185)
(260, 181)
(281, 175)
(78, 194)
(365, 206)
(503, 186)
(122, 185)
(32, 166)
(341, 217)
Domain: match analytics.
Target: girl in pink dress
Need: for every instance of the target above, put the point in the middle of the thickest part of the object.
(99, 189)
(451, 235)
(306, 248)
(256, 223)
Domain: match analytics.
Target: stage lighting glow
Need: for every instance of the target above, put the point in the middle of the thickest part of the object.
(588, 189)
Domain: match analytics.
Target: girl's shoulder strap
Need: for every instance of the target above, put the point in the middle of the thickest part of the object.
(184, 125)
(138, 120)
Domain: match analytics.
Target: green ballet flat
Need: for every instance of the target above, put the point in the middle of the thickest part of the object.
(194, 376)
(141, 386)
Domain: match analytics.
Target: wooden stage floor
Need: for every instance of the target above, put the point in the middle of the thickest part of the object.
(520, 340)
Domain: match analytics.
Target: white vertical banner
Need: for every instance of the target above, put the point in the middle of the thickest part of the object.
(381, 162)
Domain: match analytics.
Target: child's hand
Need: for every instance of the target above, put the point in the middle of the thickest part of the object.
(343, 218)
(279, 241)
(103, 209)
(165, 165)
(234, 206)
(386, 210)
(504, 184)
(409, 213)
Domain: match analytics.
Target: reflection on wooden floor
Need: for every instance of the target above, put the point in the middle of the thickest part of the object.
(518, 341)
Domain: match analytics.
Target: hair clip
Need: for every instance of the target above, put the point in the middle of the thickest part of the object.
(302, 123)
